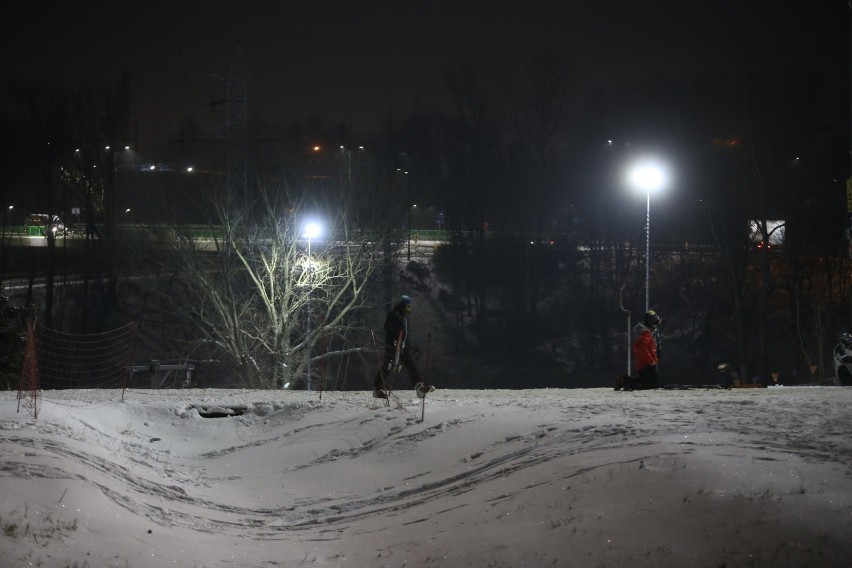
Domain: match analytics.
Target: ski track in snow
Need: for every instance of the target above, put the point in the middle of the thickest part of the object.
(394, 431)
(175, 484)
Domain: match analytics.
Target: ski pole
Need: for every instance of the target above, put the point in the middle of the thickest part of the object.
(425, 378)
(381, 365)
(322, 361)
(626, 311)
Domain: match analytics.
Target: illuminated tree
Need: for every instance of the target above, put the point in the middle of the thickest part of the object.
(252, 297)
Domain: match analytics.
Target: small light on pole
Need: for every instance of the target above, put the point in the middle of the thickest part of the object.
(312, 230)
(648, 175)
(409, 213)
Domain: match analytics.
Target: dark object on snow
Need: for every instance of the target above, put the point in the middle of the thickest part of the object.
(726, 375)
(843, 359)
(627, 383)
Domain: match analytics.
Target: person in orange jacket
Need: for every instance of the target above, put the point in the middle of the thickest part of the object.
(646, 352)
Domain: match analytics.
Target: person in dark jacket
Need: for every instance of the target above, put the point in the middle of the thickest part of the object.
(396, 334)
(646, 351)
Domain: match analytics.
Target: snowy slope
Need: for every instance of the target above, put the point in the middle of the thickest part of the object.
(586, 477)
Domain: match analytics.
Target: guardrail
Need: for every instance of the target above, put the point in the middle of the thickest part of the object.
(160, 375)
(194, 231)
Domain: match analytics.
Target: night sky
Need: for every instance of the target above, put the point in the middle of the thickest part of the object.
(360, 62)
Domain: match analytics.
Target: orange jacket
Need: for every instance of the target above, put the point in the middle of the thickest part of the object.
(644, 347)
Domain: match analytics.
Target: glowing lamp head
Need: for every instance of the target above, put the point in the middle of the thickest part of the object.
(648, 176)
(312, 230)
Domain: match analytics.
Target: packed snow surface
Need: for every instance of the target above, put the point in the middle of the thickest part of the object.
(521, 478)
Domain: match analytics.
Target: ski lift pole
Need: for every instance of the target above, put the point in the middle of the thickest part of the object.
(626, 311)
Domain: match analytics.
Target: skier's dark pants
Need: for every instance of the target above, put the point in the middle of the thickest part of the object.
(649, 377)
(380, 382)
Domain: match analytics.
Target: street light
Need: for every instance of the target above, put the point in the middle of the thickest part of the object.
(3, 254)
(119, 157)
(649, 176)
(409, 214)
(311, 231)
(408, 178)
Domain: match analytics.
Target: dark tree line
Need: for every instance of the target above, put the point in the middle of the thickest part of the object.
(545, 239)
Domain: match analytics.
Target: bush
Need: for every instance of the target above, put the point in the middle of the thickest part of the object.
(13, 325)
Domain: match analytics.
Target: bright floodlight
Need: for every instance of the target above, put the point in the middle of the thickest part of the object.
(312, 230)
(649, 176)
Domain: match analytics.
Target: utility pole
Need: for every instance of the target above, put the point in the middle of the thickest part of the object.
(849, 179)
(237, 128)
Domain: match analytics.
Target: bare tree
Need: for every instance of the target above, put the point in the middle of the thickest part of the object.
(261, 298)
(539, 112)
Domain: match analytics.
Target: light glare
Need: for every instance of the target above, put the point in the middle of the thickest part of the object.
(312, 230)
(649, 176)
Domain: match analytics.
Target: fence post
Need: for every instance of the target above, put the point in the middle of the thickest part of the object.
(154, 370)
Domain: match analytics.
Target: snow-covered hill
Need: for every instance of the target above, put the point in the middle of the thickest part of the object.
(587, 477)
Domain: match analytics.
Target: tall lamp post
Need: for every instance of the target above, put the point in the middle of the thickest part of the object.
(312, 230)
(409, 215)
(648, 176)
(408, 180)
(3, 252)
